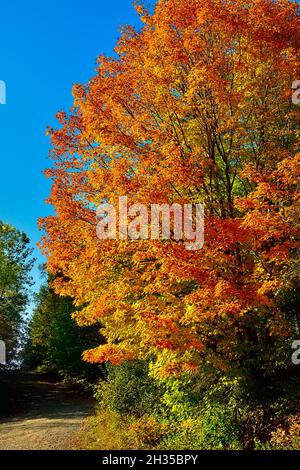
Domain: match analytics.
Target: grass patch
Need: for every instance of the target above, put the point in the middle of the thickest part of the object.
(104, 431)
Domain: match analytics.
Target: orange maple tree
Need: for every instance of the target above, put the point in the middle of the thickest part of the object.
(195, 108)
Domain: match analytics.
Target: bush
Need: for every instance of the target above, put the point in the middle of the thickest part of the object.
(206, 423)
(148, 431)
(129, 389)
(205, 411)
(284, 437)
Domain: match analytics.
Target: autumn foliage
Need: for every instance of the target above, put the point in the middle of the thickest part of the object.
(194, 108)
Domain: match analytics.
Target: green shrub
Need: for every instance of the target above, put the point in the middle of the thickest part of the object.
(203, 411)
(207, 423)
(129, 389)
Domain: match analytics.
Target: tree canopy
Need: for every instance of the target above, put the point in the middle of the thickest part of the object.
(15, 280)
(195, 108)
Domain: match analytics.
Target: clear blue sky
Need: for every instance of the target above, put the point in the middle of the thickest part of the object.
(45, 46)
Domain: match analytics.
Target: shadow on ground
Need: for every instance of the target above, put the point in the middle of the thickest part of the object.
(40, 414)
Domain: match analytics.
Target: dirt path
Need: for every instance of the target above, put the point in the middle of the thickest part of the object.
(49, 417)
